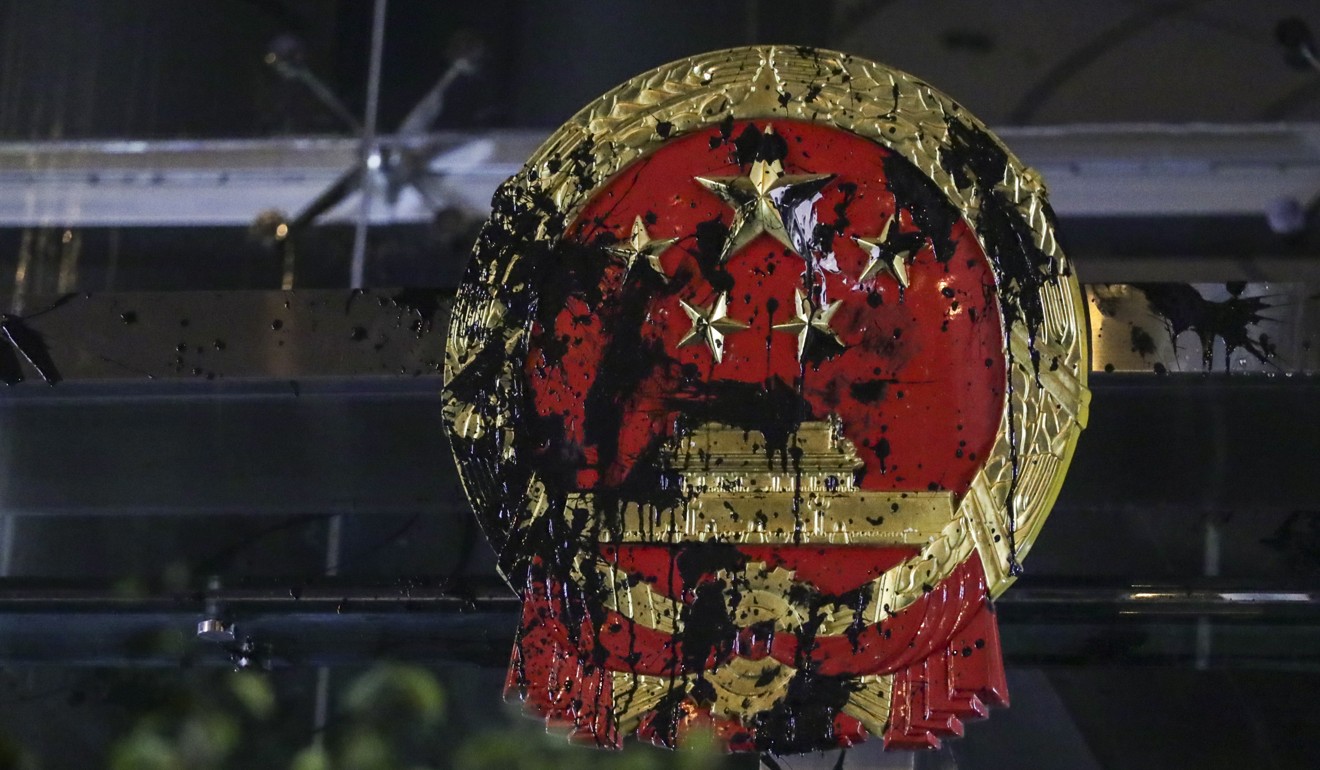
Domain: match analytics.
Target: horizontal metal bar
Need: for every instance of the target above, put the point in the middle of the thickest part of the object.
(232, 182)
(154, 337)
(319, 596)
(1032, 597)
(293, 623)
(1077, 601)
(1093, 171)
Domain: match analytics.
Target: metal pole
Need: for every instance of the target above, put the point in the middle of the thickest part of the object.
(370, 155)
(333, 547)
(1211, 570)
(370, 161)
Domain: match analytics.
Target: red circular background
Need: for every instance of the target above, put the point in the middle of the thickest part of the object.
(919, 385)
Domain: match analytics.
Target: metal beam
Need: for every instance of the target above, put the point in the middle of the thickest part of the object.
(156, 337)
(1034, 598)
(232, 182)
(1093, 171)
(298, 622)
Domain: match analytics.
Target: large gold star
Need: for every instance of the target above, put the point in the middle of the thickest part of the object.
(808, 320)
(709, 325)
(756, 200)
(889, 252)
(641, 245)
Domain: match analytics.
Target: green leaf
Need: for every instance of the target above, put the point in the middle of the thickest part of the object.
(393, 691)
(253, 690)
(145, 750)
(207, 739)
(366, 750)
(313, 757)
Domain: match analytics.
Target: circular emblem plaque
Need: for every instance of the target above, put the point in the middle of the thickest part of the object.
(763, 378)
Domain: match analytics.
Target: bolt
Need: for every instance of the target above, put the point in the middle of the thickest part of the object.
(215, 630)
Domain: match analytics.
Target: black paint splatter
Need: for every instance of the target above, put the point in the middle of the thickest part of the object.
(1184, 309)
(753, 145)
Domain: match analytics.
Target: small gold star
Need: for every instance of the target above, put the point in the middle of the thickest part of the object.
(808, 320)
(709, 325)
(640, 244)
(888, 253)
(756, 199)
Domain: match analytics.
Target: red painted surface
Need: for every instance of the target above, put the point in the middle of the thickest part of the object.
(929, 344)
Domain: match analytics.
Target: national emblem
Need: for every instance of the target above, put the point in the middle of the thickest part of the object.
(771, 484)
